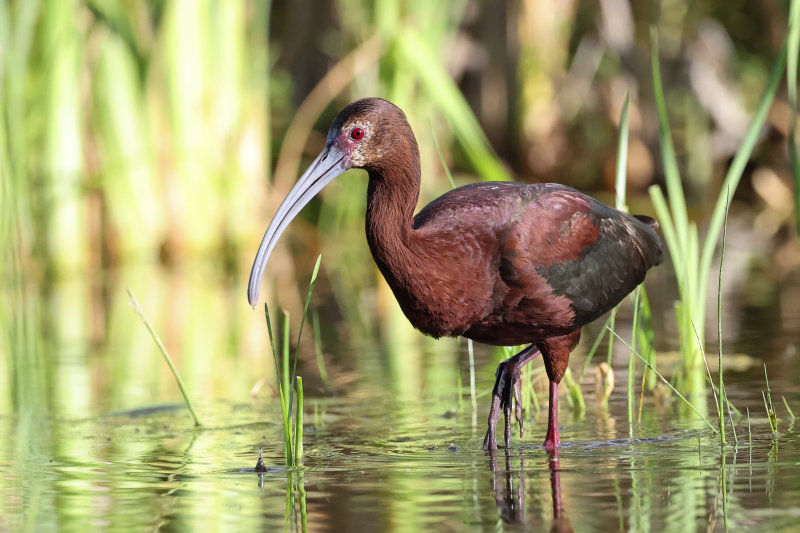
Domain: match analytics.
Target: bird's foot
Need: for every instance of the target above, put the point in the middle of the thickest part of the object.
(506, 384)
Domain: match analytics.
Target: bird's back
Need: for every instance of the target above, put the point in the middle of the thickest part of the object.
(560, 258)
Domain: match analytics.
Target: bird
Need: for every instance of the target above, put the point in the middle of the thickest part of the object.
(502, 263)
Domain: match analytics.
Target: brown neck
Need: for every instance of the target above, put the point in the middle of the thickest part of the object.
(391, 199)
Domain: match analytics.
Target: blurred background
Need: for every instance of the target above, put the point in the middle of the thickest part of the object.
(146, 144)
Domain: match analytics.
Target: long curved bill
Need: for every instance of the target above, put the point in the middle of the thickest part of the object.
(327, 166)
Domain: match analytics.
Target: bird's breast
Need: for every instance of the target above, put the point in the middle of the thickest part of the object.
(443, 281)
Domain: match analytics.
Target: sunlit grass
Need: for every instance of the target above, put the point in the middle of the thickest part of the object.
(723, 397)
(665, 381)
(323, 372)
(640, 330)
(793, 43)
(690, 256)
(788, 409)
(769, 407)
(165, 354)
(289, 395)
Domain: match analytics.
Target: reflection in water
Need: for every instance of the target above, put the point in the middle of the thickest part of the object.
(296, 507)
(511, 501)
(392, 464)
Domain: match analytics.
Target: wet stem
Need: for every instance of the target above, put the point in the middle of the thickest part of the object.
(773, 419)
(138, 309)
(292, 427)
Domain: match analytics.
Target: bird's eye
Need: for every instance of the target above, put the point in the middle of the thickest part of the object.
(357, 134)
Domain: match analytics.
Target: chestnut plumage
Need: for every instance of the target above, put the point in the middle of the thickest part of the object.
(501, 263)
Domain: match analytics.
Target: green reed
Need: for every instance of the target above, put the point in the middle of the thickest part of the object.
(664, 380)
(723, 397)
(292, 427)
(791, 84)
(472, 397)
(94, 91)
(139, 311)
(788, 409)
(575, 393)
(691, 257)
(596, 345)
(769, 407)
(641, 330)
(323, 372)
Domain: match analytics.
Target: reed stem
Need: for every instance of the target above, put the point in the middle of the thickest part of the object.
(138, 309)
(665, 381)
(298, 425)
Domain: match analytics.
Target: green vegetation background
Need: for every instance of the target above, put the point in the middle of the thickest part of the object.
(146, 144)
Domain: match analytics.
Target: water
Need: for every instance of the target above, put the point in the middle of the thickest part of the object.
(93, 435)
(372, 464)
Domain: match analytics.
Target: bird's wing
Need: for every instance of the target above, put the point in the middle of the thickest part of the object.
(585, 251)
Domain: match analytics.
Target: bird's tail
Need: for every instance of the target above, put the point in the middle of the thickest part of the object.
(648, 241)
(650, 221)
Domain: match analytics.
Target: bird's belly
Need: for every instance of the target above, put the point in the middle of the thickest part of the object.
(449, 318)
(507, 334)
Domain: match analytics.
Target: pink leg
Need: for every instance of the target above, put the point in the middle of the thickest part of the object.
(555, 485)
(552, 440)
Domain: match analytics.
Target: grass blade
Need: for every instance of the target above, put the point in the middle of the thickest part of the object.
(441, 157)
(791, 82)
(285, 376)
(721, 386)
(323, 373)
(622, 157)
(665, 381)
(473, 398)
(773, 419)
(287, 431)
(738, 164)
(677, 200)
(298, 425)
(575, 393)
(593, 349)
(632, 361)
(791, 413)
(293, 428)
(311, 284)
(441, 89)
(138, 309)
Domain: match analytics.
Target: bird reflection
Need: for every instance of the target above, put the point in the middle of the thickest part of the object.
(509, 492)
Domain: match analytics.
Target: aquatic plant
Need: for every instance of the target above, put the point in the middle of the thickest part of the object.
(691, 260)
(323, 372)
(292, 427)
(793, 52)
(769, 407)
(139, 311)
(723, 397)
(664, 380)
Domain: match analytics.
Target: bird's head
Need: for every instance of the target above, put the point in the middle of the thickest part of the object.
(369, 132)
(365, 134)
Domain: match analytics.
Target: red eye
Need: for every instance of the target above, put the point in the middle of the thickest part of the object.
(357, 134)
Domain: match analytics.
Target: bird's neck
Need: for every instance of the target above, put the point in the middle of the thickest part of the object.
(391, 199)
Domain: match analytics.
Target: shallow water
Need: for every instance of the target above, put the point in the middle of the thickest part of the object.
(93, 434)
(374, 464)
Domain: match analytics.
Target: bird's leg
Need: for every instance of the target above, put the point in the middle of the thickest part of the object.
(507, 382)
(552, 440)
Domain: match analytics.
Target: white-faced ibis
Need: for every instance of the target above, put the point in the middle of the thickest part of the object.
(501, 263)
